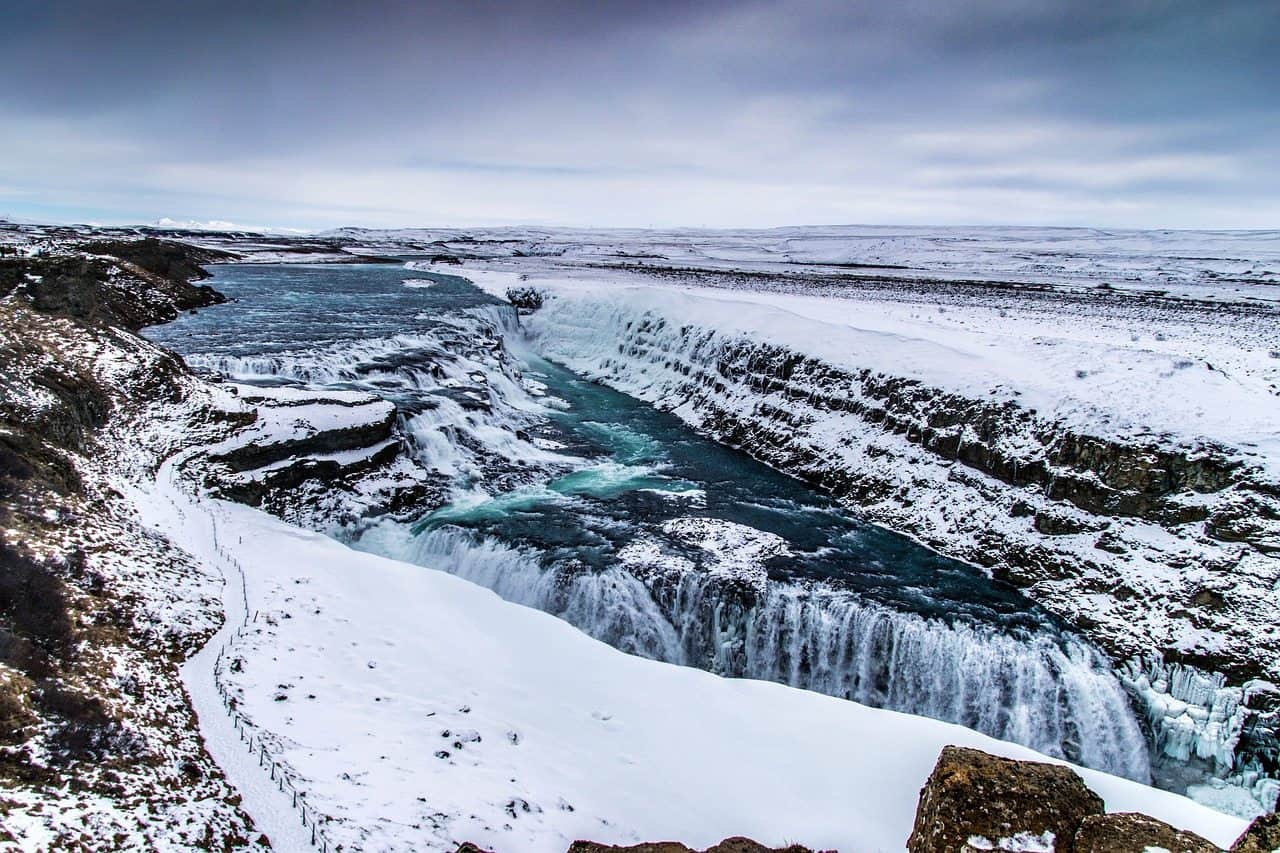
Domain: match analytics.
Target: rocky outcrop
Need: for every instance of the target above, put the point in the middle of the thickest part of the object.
(1262, 836)
(124, 283)
(976, 801)
(96, 610)
(1136, 833)
(525, 298)
(325, 460)
(370, 423)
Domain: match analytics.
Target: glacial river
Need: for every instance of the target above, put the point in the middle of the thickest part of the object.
(565, 495)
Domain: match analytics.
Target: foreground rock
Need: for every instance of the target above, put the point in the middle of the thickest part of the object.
(1262, 836)
(1136, 833)
(976, 801)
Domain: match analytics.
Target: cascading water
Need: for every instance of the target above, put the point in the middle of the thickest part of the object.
(559, 483)
(1051, 693)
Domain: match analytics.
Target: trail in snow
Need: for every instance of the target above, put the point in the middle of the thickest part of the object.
(265, 799)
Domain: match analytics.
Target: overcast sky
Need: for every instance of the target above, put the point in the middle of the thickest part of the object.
(1148, 113)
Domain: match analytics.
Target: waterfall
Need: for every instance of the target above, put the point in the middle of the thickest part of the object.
(464, 406)
(1053, 694)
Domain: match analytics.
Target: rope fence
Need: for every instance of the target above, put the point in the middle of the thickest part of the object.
(284, 779)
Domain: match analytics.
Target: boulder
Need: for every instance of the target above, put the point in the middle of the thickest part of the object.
(1136, 833)
(976, 801)
(1262, 836)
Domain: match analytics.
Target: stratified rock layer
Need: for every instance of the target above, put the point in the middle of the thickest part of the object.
(973, 800)
(1136, 833)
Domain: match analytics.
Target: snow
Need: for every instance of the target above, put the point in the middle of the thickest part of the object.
(1022, 842)
(418, 710)
(287, 395)
(734, 550)
(172, 511)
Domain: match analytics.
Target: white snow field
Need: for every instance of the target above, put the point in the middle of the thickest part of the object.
(417, 710)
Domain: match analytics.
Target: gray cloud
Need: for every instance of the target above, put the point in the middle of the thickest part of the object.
(1135, 112)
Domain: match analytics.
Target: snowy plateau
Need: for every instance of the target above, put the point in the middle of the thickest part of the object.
(1091, 418)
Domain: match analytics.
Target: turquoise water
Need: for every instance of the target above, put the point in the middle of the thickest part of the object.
(639, 467)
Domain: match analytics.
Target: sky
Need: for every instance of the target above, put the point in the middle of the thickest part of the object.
(1123, 113)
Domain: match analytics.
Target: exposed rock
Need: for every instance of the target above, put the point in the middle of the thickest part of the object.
(974, 799)
(1262, 836)
(1136, 833)
(358, 434)
(1247, 517)
(1061, 524)
(736, 844)
(525, 298)
(129, 284)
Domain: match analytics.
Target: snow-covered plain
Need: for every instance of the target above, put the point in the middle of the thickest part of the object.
(418, 710)
(1216, 265)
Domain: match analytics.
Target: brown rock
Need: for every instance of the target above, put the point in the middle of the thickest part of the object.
(972, 794)
(1135, 833)
(1262, 836)
(468, 847)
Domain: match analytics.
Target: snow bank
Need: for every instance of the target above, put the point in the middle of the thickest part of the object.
(423, 710)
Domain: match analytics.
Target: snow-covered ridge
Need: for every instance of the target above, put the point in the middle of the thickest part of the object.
(1121, 381)
(476, 719)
